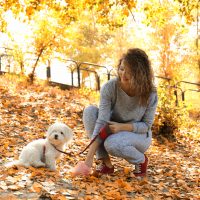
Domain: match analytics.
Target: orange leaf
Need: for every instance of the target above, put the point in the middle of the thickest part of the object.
(120, 183)
(59, 197)
(113, 193)
(37, 187)
(127, 170)
(128, 187)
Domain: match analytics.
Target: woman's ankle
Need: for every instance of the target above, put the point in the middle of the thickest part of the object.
(107, 162)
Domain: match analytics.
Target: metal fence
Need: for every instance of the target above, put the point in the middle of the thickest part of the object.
(85, 74)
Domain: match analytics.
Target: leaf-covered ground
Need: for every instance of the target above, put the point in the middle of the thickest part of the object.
(25, 114)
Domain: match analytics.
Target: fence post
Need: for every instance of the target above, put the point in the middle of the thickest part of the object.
(183, 96)
(72, 76)
(48, 71)
(176, 95)
(108, 75)
(78, 72)
(72, 72)
(98, 82)
(0, 63)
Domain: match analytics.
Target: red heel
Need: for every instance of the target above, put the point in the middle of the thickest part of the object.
(103, 169)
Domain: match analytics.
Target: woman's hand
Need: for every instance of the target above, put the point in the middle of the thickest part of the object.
(116, 127)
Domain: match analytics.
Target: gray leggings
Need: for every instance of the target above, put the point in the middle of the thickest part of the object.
(128, 145)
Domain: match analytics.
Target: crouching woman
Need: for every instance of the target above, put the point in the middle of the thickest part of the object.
(127, 104)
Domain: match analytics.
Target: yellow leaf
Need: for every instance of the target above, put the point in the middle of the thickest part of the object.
(14, 187)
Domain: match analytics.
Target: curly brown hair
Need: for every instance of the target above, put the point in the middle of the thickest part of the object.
(142, 81)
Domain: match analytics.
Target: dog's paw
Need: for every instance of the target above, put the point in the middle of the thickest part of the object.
(39, 164)
(53, 169)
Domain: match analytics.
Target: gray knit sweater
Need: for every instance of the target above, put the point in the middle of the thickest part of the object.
(116, 105)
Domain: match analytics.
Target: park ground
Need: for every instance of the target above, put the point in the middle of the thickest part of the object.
(26, 111)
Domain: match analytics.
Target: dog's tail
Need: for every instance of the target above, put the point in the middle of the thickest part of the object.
(13, 163)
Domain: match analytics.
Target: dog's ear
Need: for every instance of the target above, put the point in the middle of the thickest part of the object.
(68, 134)
(49, 130)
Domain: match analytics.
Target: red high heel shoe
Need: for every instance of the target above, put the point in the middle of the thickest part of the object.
(103, 169)
(141, 169)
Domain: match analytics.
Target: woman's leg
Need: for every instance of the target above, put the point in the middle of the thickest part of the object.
(128, 145)
(90, 115)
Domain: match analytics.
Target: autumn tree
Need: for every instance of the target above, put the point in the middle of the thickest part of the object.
(71, 9)
(16, 33)
(173, 53)
(168, 34)
(47, 36)
(67, 12)
(105, 20)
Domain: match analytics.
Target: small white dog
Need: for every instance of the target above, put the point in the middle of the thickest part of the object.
(44, 152)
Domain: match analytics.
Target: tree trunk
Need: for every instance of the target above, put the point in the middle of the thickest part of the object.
(32, 74)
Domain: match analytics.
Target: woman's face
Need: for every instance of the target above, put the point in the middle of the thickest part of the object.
(124, 72)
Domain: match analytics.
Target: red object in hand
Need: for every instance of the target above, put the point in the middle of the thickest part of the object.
(104, 132)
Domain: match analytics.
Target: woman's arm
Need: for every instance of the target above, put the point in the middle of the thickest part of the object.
(107, 94)
(141, 126)
(115, 127)
(146, 122)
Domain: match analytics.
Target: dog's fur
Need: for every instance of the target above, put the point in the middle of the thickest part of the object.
(42, 152)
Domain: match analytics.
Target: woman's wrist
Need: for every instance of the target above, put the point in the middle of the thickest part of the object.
(128, 127)
(91, 153)
(89, 162)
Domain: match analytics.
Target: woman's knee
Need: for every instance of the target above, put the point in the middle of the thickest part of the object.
(90, 115)
(112, 146)
(91, 110)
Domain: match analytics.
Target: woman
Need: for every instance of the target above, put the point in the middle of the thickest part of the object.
(128, 104)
